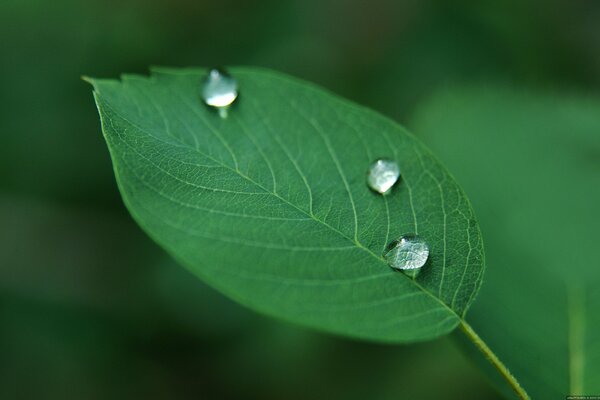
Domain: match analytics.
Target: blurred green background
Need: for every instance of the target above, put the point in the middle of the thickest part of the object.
(90, 308)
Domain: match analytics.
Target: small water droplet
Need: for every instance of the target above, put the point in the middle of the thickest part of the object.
(219, 90)
(382, 175)
(409, 253)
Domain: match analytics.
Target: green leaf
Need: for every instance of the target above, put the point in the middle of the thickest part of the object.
(270, 205)
(533, 174)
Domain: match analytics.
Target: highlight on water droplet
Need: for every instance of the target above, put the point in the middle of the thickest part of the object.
(382, 175)
(219, 90)
(409, 253)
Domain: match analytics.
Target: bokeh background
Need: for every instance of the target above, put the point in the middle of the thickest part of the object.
(90, 308)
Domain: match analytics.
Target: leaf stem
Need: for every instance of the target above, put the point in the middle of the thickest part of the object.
(489, 354)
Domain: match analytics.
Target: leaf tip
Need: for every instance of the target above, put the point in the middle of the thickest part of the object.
(87, 79)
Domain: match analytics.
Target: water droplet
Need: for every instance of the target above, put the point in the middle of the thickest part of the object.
(409, 253)
(219, 90)
(382, 175)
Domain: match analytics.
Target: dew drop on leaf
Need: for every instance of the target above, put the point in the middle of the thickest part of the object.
(409, 253)
(382, 175)
(219, 90)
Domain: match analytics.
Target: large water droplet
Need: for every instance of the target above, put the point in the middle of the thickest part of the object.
(382, 175)
(407, 253)
(219, 90)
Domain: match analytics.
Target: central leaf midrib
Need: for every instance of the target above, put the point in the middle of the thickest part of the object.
(356, 243)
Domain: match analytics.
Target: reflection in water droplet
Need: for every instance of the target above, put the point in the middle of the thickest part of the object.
(409, 253)
(382, 175)
(219, 90)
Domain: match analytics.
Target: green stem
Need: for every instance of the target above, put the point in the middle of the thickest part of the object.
(489, 354)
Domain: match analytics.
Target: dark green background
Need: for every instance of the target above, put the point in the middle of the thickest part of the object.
(91, 308)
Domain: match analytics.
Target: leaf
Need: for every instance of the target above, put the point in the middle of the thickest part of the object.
(533, 173)
(271, 207)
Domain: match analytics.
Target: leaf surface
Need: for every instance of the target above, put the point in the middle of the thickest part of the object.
(533, 173)
(270, 205)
